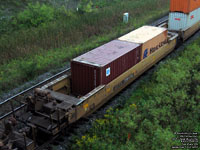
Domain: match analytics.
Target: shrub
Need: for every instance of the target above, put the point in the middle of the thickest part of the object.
(4, 23)
(28, 69)
(85, 6)
(34, 15)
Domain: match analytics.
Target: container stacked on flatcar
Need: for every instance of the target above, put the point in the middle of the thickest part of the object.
(183, 14)
(151, 38)
(105, 63)
(102, 65)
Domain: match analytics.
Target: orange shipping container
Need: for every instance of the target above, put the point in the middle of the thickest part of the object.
(185, 6)
(151, 38)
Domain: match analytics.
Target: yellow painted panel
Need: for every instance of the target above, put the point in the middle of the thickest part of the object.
(85, 106)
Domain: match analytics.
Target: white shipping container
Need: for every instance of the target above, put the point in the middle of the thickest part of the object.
(180, 21)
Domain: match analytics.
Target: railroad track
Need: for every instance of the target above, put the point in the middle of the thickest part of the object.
(15, 103)
(12, 105)
(160, 21)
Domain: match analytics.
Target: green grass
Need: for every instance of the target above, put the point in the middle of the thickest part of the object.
(10, 10)
(26, 53)
(14, 6)
(165, 103)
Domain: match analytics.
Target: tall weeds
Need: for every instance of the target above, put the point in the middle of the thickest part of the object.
(68, 29)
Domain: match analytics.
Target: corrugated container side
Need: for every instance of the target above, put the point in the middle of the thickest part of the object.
(185, 6)
(180, 21)
(149, 45)
(120, 65)
(154, 44)
(86, 77)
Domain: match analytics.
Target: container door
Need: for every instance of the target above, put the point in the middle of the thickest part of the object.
(177, 21)
(193, 18)
(138, 54)
(95, 78)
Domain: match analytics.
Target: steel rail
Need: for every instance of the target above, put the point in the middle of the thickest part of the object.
(11, 112)
(46, 144)
(160, 22)
(34, 86)
(26, 91)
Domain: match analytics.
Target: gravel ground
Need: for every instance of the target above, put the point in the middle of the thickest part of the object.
(33, 82)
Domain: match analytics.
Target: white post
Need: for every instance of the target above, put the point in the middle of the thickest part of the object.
(125, 17)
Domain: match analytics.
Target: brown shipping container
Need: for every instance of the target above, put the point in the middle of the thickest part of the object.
(185, 6)
(151, 38)
(102, 65)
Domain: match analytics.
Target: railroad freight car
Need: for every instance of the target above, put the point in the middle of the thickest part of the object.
(94, 78)
(102, 65)
(52, 111)
(151, 38)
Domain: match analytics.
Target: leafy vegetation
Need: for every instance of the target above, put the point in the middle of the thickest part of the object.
(165, 103)
(40, 44)
(34, 16)
(85, 6)
(23, 13)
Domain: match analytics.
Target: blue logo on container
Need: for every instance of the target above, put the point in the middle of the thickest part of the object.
(145, 53)
(107, 71)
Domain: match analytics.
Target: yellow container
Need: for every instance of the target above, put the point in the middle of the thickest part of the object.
(151, 38)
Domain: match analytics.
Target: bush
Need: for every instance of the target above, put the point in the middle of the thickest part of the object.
(4, 23)
(34, 15)
(28, 70)
(85, 6)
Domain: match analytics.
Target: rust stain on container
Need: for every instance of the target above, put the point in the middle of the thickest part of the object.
(185, 6)
(151, 38)
(102, 65)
